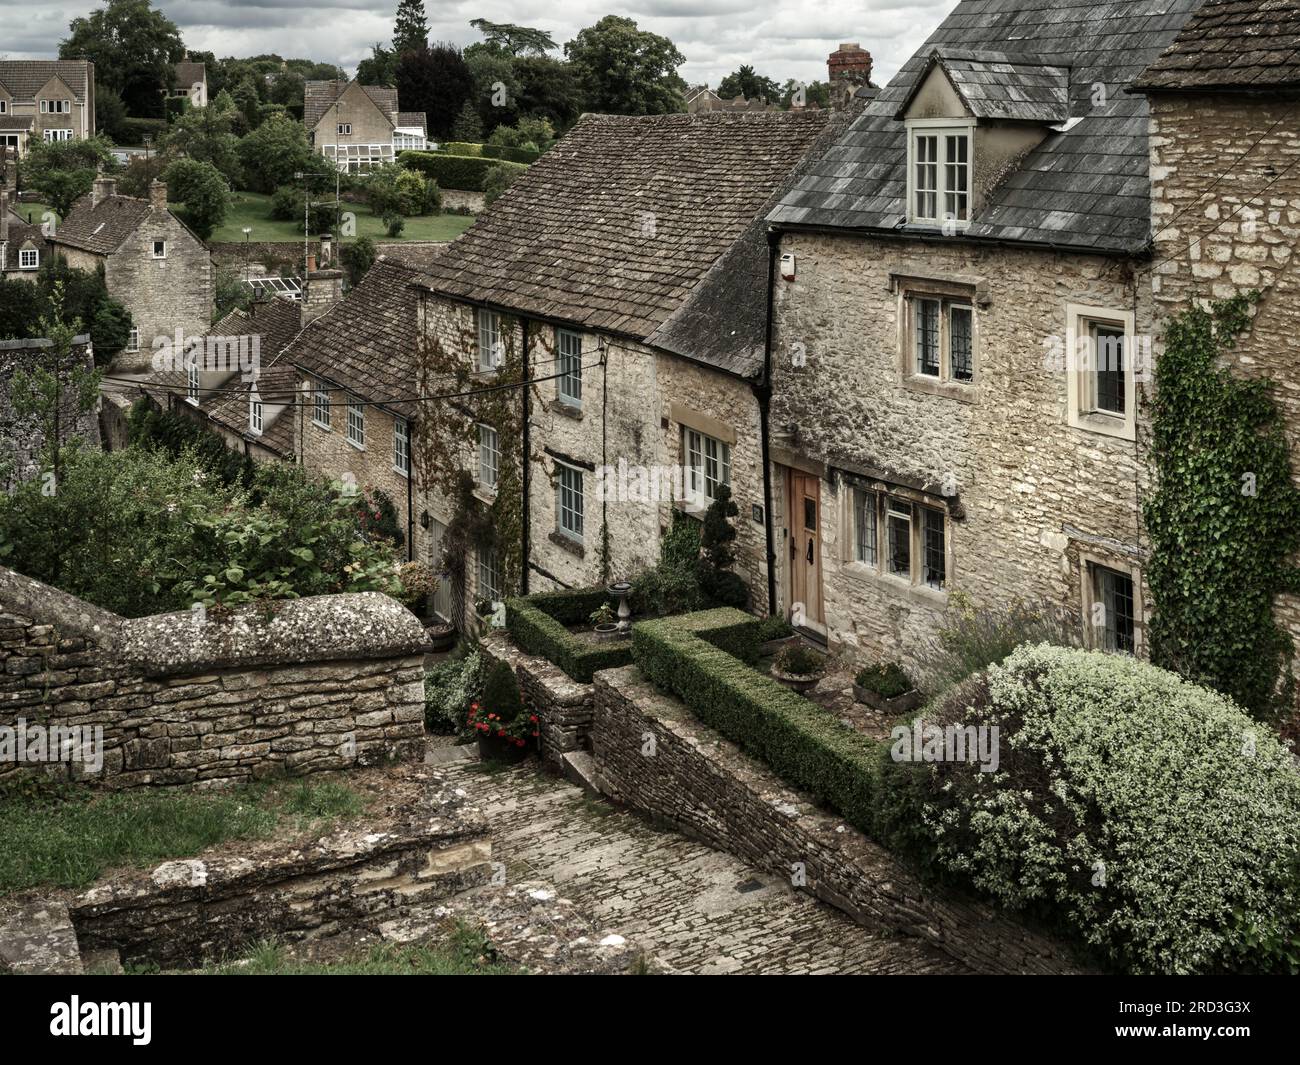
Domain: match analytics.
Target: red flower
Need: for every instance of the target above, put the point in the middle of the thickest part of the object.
(501, 732)
(532, 718)
(519, 743)
(534, 732)
(491, 717)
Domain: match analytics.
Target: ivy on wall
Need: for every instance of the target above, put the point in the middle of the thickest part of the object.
(1224, 519)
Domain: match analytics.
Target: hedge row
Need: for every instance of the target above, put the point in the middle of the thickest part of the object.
(693, 657)
(537, 625)
(514, 155)
(454, 171)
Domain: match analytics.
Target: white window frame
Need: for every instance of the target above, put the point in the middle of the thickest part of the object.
(708, 464)
(1081, 371)
(570, 502)
(944, 188)
(53, 135)
(193, 378)
(255, 413)
(491, 347)
(345, 129)
(356, 423)
(402, 446)
(156, 244)
(868, 553)
(489, 457)
(488, 577)
(29, 258)
(568, 353)
(320, 406)
(133, 339)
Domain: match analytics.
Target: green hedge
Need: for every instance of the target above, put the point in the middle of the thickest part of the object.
(501, 151)
(454, 171)
(537, 625)
(134, 129)
(461, 148)
(694, 657)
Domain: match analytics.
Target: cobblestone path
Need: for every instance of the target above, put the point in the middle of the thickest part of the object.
(696, 909)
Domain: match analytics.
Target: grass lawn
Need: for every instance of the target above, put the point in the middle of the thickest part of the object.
(68, 835)
(253, 209)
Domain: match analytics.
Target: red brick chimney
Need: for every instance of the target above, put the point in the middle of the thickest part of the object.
(848, 69)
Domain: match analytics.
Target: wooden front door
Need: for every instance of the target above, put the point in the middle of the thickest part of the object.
(806, 607)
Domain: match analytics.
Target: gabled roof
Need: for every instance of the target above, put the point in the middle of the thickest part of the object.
(999, 85)
(103, 227)
(15, 123)
(1232, 44)
(23, 234)
(24, 78)
(318, 96)
(412, 120)
(188, 74)
(1084, 187)
(365, 343)
(615, 226)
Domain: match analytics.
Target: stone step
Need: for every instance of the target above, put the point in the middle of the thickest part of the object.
(465, 752)
(580, 769)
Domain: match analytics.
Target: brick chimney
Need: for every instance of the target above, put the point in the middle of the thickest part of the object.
(103, 188)
(322, 289)
(848, 69)
(158, 194)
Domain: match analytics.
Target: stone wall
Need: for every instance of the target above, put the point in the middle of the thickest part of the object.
(325, 683)
(698, 783)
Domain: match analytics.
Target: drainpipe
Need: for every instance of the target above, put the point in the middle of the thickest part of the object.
(525, 479)
(410, 494)
(763, 393)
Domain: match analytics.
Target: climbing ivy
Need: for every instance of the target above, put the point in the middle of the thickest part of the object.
(1224, 519)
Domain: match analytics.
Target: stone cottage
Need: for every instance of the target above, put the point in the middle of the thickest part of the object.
(45, 99)
(624, 277)
(23, 247)
(960, 338)
(153, 264)
(359, 127)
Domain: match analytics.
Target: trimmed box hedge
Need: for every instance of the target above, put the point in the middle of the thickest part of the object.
(461, 172)
(695, 657)
(538, 623)
(501, 151)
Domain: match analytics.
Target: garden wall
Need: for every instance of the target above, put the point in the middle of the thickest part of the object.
(698, 783)
(329, 682)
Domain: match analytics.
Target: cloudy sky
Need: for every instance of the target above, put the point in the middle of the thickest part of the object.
(782, 40)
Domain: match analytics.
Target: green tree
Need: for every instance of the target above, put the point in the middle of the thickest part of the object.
(133, 48)
(378, 68)
(468, 127)
(815, 94)
(64, 171)
(513, 39)
(548, 88)
(436, 81)
(23, 306)
(229, 293)
(625, 70)
(744, 82)
(203, 191)
(111, 116)
(499, 179)
(357, 258)
(277, 150)
(207, 134)
(410, 28)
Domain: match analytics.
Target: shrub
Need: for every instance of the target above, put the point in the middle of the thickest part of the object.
(514, 155)
(500, 712)
(357, 258)
(798, 661)
(456, 171)
(377, 517)
(449, 688)
(462, 148)
(203, 191)
(537, 625)
(418, 583)
(672, 586)
(394, 223)
(886, 679)
(1148, 817)
(774, 627)
(496, 183)
(151, 428)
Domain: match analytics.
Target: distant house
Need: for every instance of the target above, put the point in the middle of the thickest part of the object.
(191, 84)
(23, 247)
(153, 263)
(359, 127)
(45, 99)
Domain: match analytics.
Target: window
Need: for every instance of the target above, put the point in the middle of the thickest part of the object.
(941, 338)
(345, 129)
(160, 249)
(940, 175)
(52, 135)
(1113, 616)
(489, 456)
(356, 424)
(1102, 354)
(899, 537)
(708, 464)
(489, 575)
(255, 413)
(570, 502)
(402, 446)
(192, 377)
(403, 141)
(133, 339)
(4, 107)
(490, 353)
(320, 405)
(29, 258)
(1106, 346)
(569, 349)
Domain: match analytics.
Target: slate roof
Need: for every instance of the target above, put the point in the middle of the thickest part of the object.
(10, 123)
(615, 226)
(102, 228)
(413, 119)
(366, 342)
(999, 85)
(319, 96)
(1232, 44)
(20, 232)
(188, 74)
(1084, 187)
(24, 78)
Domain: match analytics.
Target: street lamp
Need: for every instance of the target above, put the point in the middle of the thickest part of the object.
(247, 231)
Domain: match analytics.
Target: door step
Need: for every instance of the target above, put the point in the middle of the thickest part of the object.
(580, 769)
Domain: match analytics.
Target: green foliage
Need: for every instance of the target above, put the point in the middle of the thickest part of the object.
(745, 82)
(394, 223)
(449, 688)
(134, 130)
(395, 190)
(207, 135)
(436, 81)
(501, 692)
(410, 28)
(202, 190)
(624, 70)
(495, 184)
(537, 625)
(716, 537)
(1150, 818)
(229, 293)
(152, 428)
(23, 304)
(470, 148)
(774, 627)
(796, 660)
(1224, 520)
(276, 150)
(514, 155)
(357, 258)
(377, 516)
(379, 67)
(886, 679)
(456, 171)
(467, 130)
(64, 171)
(672, 586)
(133, 47)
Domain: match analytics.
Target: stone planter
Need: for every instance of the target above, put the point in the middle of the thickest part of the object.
(441, 636)
(800, 682)
(899, 704)
(771, 648)
(499, 749)
(609, 631)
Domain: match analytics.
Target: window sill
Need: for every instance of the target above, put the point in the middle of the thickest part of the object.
(565, 409)
(1118, 428)
(568, 543)
(322, 427)
(921, 593)
(355, 446)
(962, 391)
(404, 474)
(485, 494)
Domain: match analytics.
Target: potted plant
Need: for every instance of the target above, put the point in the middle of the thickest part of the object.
(605, 621)
(798, 668)
(775, 635)
(886, 687)
(505, 729)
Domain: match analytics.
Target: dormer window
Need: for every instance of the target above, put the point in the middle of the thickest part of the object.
(29, 258)
(939, 184)
(255, 413)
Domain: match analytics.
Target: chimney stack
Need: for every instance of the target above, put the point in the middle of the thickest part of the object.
(321, 289)
(103, 188)
(848, 69)
(158, 194)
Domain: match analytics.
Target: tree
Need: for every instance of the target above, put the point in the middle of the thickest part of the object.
(814, 94)
(203, 191)
(512, 39)
(498, 179)
(133, 48)
(496, 90)
(64, 171)
(468, 126)
(744, 82)
(379, 68)
(625, 70)
(436, 81)
(548, 88)
(277, 150)
(357, 258)
(411, 28)
(85, 296)
(207, 135)
(111, 116)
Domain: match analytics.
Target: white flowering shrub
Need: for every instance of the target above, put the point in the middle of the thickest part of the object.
(1150, 818)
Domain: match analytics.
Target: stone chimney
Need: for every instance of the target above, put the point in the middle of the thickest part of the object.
(322, 289)
(103, 188)
(848, 69)
(158, 194)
